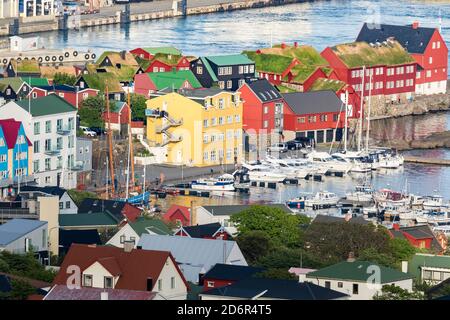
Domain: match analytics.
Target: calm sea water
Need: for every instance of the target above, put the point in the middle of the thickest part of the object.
(319, 24)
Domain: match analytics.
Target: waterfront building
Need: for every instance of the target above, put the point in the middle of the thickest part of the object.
(131, 269)
(390, 71)
(71, 94)
(9, 9)
(425, 45)
(351, 277)
(31, 8)
(262, 112)
(228, 72)
(149, 53)
(292, 67)
(50, 123)
(196, 127)
(148, 83)
(419, 236)
(317, 114)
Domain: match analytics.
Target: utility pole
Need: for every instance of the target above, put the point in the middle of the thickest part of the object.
(361, 110)
(111, 165)
(346, 121)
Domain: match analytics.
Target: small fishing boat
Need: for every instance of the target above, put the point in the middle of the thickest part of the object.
(296, 203)
(362, 193)
(224, 182)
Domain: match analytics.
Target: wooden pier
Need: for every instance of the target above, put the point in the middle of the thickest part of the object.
(423, 160)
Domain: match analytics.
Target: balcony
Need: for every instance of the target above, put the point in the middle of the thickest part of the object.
(52, 152)
(64, 130)
(77, 166)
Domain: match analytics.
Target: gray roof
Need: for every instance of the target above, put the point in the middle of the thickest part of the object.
(321, 218)
(200, 93)
(413, 40)
(17, 228)
(264, 90)
(233, 209)
(193, 255)
(313, 102)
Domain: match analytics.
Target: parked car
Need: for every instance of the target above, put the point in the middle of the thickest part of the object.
(294, 145)
(88, 132)
(305, 141)
(99, 131)
(279, 147)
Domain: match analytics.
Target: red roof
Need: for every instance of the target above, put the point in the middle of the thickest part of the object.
(11, 129)
(134, 267)
(62, 292)
(174, 208)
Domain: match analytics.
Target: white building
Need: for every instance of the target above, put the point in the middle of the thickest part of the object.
(66, 203)
(50, 122)
(361, 280)
(24, 235)
(22, 44)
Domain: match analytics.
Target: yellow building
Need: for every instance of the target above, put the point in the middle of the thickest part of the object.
(196, 127)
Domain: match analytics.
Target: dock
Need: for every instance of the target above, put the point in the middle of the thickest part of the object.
(423, 160)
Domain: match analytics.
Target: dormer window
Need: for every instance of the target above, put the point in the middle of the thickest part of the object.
(87, 280)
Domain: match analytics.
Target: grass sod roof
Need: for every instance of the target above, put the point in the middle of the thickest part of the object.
(143, 63)
(169, 59)
(306, 54)
(125, 73)
(26, 66)
(163, 50)
(15, 82)
(302, 72)
(358, 271)
(116, 58)
(358, 54)
(269, 62)
(327, 84)
(100, 80)
(284, 89)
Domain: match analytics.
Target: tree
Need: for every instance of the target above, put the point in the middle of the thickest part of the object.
(282, 228)
(25, 265)
(393, 292)
(91, 111)
(138, 106)
(20, 289)
(64, 78)
(78, 196)
(276, 273)
(284, 258)
(254, 245)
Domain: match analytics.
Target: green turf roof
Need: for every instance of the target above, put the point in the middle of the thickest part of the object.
(269, 62)
(174, 80)
(302, 72)
(358, 271)
(15, 82)
(26, 66)
(169, 59)
(327, 84)
(284, 89)
(358, 54)
(99, 80)
(144, 225)
(230, 60)
(163, 50)
(51, 104)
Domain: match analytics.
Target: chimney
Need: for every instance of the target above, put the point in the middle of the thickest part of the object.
(128, 245)
(149, 284)
(283, 46)
(405, 266)
(396, 226)
(123, 54)
(104, 295)
(296, 44)
(351, 257)
(415, 25)
(193, 214)
(258, 51)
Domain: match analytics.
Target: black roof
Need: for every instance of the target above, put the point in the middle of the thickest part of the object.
(61, 87)
(413, 40)
(264, 90)
(313, 102)
(419, 232)
(202, 230)
(226, 210)
(277, 289)
(5, 284)
(56, 191)
(231, 272)
(67, 237)
(321, 218)
(114, 207)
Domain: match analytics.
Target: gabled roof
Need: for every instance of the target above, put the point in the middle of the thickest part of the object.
(25, 66)
(357, 271)
(322, 84)
(100, 80)
(117, 58)
(144, 225)
(312, 102)
(202, 230)
(229, 60)
(15, 82)
(173, 79)
(50, 71)
(135, 266)
(271, 63)
(420, 260)
(16, 228)
(192, 254)
(68, 237)
(359, 54)
(263, 90)
(111, 264)
(249, 288)
(11, 129)
(174, 208)
(62, 292)
(52, 190)
(163, 50)
(48, 105)
(418, 232)
(322, 218)
(98, 219)
(225, 210)
(114, 207)
(231, 272)
(209, 69)
(413, 40)
(169, 59)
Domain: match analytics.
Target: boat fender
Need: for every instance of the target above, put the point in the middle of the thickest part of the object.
(86, 56)
(54, 58)
(75, 53)
(5, 61)
(61, 58)
(66, 54)
(19, 59)
(47, 58)
(40, 59)
(93, 56)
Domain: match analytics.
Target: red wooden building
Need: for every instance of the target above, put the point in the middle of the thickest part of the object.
(71, 94)
(178, 214)
(148, 83)
(419, 236)
(118, 115)
(262, 108)
(389, 70)
(222, 275)
(149, 53)
(318, 114)
(425, 45)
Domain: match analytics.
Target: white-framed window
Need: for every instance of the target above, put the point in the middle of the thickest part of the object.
(210, 284)
(434, 45)
(430, 60)
(265, 124)
(221, 103)
(199, 70)
(221, 120)
(241, 69)
(229, 119)
(222, 84)
(241, 82)
(229, 84)
(252, 68)
(87, 280)
(237, 133)
(205, 138)
(428, 73)
(438, 44)
(213, 155)
(108, 282)
(155, 69)
(266, 109)
(172, 283)
(246, 69)
(161, 69)
(205, 123)
(205, 155)
(213, 122)
(237, 118)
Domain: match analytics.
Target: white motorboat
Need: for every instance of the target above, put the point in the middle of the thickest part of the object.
(224, 182)
(262, 173)
(437, 218)
(433, 202)
(332, 165)
(322, 199)
(389, 199)
(291, 167)
(355, 159)
(362, 193)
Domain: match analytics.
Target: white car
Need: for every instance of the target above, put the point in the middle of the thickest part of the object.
(279, 147)
(88, 132)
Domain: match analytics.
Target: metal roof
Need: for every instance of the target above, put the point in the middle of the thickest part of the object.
(263, 90)
(17, 228)
(313, 102)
